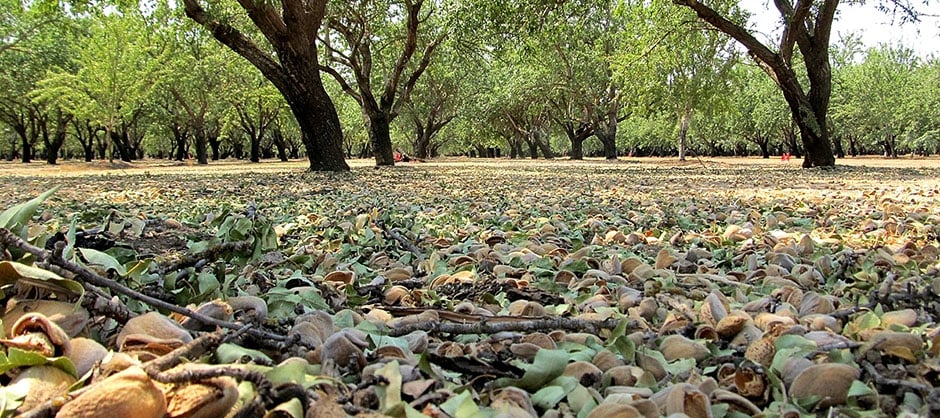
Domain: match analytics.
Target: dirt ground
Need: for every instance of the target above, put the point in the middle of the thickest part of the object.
(77, 168)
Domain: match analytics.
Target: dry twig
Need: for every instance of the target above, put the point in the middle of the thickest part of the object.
(88, 277)
(531, 325)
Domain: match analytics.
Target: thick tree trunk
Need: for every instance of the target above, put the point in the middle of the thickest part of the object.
(121, 143)
(86, 134)
(55, 141)
(577, 136)
(685, 118)
(837, 143)
(763, 143)
(608, 138)
(279, 143)
(541, 140)
(215, 144)
(808, 25)
(202, 147)
(180, 137)
(606, 132)
(577, 148)
(422, 140)
(26, 155)
(533, 149)
(377, 122)
(254, 146)
(810, 113)
(294, 69)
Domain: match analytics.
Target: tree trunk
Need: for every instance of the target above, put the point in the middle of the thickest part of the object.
(577, 148)
(577, 136)
(533, 149)
(764, 145)
(294, 69)
(87, 134)
(541, 140)
(606, 132)
(26, 154)
(54, 142)
(837, 143)
(202, 146)
(685, 118)
(889, 146)
(608, 137)
(808, 27)
(180, 137)
(422, 141)
(254, 145)
(377, 122)
(121, 143)
(12, 155)
(279, 143)
(215, 144)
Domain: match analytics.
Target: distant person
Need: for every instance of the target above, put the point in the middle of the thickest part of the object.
(401, 157)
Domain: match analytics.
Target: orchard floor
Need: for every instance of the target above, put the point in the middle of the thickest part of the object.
(839, 267)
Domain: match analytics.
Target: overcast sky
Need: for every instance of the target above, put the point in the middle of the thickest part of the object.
(874, 27)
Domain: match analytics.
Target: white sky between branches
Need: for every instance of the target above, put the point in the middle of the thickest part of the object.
(873, 26)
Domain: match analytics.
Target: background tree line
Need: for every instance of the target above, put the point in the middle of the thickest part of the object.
(512, 78)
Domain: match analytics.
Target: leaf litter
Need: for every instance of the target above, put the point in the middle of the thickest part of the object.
(475, 289)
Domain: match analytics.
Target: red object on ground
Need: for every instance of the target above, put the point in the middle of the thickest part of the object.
(397, 156)
(785, 157)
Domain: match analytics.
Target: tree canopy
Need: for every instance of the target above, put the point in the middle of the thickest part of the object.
(325, 80)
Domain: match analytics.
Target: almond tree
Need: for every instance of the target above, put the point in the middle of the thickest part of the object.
(288, 55)
(376, 42)
(807, 26)
(117, 70)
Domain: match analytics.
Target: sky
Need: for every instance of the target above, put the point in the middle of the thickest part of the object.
(873, 26)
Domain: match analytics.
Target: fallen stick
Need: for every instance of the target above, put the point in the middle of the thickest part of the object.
(209, 254)
(485, 326)
(86, 276)
(408, 245)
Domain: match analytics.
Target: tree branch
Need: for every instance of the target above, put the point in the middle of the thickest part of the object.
(86, 276)
(485, 326)
(237, 42)
(342, 82)
(758, 50)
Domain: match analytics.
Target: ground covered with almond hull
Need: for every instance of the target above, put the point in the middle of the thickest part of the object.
(713, 288)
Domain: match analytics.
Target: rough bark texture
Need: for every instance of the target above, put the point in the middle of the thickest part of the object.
(380, 139)
(807, 28)
(294, 69)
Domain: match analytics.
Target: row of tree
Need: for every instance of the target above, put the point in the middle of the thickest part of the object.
(332, 80)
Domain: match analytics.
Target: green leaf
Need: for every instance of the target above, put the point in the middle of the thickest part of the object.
(19, 215)
(547, 365)
(12, 272)
(15, 358)
(292, 370)
(548, 396)
(292, 408)
(461, 406)
(389, 395)
(208, 285)
(98, 258)
(789, 346)
(232, 353)
(12, 396)
(859, 388)
(581, 401)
